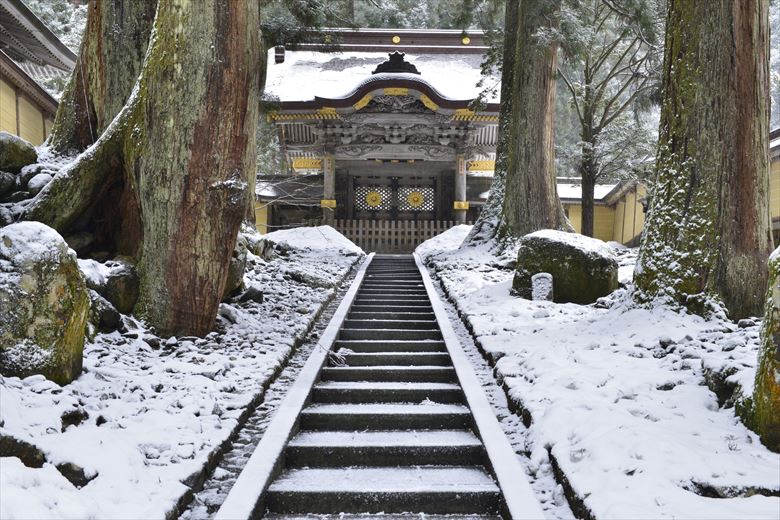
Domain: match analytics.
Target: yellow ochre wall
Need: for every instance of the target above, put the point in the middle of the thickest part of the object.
(603, 220)
(623, 221)
(629, 217)
(22, 117)
(774, 189)
(261, 217)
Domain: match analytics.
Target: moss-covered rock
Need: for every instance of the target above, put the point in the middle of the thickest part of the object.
(122, 285)
(235, 276)
(7, 181)
(43, 304)
(15, 153)
(583, 269)
(763, 413)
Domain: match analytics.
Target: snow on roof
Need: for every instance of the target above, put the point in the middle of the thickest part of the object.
(306, 74)
(573, 190)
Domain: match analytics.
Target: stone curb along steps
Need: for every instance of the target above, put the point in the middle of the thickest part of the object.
(387, 418)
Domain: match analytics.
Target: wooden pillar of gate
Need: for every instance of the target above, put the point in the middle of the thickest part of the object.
(460, 205)
(328, 201)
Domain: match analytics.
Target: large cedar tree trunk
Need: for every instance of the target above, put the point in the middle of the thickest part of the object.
(110, 59)
(166, 183)
(487, 225)
(764, 416)
(531, 199)
(588, 174)
(708, 232)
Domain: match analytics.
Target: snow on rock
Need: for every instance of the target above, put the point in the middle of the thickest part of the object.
(43, 304)
(583, 269)
(157, 408)
(15, 153)
(617, 393)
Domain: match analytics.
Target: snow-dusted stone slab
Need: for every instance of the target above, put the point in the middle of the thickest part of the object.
(378, 480)
(519, 498)
(245, 494)
(387, 438)
(380, 385)
(440, 489)
(379, 516)
(388, 409)
(385, 416)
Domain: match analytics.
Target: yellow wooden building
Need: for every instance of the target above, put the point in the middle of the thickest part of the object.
(619, 212)
(29, 53)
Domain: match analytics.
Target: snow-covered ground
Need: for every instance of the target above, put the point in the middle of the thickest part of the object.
(616, 393)
(156, 409)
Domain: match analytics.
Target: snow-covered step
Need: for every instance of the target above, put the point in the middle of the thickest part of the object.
(388, 373)
(386, 392)
(352, 323)
(385, 448)
(389, 334)
(385, 416)
(389, 315)
(396, 289)
(427, 345)
(395, 302)
(400, 297)
(442, 490)
(380, 284)
(393, 277)
(363, 359)
(376, 307)
(378, 516)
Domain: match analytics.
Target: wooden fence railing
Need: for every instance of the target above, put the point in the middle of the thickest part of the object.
(391, 236)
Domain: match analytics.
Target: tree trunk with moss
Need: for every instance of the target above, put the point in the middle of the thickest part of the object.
(112, 53)
(487, 225)
(531, 199)
(764, 415)
(708, 232)
(166, 183)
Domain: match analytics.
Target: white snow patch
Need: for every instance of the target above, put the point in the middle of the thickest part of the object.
(157, 408)
(313, 238)
(629, 420)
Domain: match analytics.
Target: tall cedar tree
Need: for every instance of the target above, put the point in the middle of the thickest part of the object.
(531, 199)
(487, 225)
(612, 67)
(110, 60)
(708, 231)
(167, 181)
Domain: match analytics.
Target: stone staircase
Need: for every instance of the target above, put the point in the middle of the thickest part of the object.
(386, 429)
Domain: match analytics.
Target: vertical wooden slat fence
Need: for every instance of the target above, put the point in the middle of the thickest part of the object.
(391, 236)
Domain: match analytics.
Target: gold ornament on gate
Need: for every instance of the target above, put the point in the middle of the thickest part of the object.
(415, 199)
(373, 199)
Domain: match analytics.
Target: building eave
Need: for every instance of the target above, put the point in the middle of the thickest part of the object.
(382, 83)
(58, 54)
(432, 41)
(21, 80)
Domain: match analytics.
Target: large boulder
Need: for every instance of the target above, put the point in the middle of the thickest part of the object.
(236, 268)
(7, 181)
(15, 153)
(583, 269)
(115, 280)
(44, 304)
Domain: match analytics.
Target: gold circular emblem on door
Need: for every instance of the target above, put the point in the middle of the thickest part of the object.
(373, 199)
(396, 39)
(415, 199)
